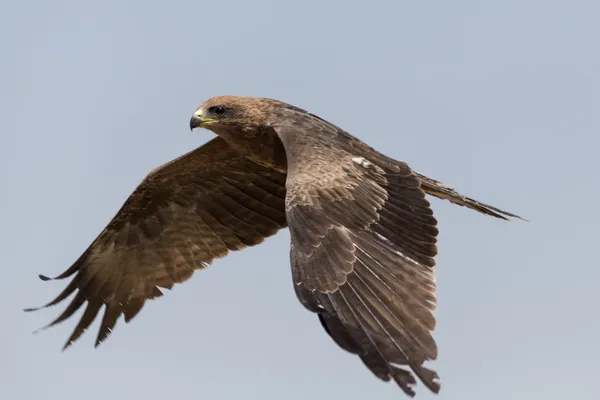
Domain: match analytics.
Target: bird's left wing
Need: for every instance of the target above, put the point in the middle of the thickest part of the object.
(180, 218)
(362, 247)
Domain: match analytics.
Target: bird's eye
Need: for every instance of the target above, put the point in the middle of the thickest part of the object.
(219, 110)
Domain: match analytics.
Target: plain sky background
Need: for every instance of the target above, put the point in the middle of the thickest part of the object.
(499, 99)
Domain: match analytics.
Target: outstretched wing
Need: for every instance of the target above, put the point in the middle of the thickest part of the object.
(363, 246)
(183, 215)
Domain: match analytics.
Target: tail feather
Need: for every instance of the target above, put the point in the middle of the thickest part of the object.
(442, 191)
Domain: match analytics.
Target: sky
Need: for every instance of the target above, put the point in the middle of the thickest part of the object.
(501, 100)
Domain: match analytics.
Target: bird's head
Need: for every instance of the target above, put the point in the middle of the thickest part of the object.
(231, 112)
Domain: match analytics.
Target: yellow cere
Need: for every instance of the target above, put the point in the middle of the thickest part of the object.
(205, 121)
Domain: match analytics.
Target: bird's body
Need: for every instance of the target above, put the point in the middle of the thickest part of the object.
(363, 237)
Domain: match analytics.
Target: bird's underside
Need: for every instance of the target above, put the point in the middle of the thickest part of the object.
(363, 236)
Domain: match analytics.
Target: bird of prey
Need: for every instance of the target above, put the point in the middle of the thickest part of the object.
(363, 235)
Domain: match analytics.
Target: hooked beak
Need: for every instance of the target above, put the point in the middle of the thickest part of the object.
(198, 120)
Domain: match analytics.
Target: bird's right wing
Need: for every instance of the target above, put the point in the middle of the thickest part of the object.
(182, 216)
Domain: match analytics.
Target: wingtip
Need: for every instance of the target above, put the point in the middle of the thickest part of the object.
(98, 343)
(67, 345)
(44, 277)
(38, 330)
(405, 380)
(429, 378)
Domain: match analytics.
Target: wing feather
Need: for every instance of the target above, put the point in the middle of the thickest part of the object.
(363, 247)
(179, 219)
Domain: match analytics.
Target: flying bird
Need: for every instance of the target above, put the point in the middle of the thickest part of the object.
(363, 235)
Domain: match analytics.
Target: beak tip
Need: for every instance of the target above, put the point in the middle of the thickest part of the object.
(194, 122)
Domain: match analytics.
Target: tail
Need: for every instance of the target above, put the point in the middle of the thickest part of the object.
(442, 191)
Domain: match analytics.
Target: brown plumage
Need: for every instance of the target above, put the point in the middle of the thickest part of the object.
(363, 236)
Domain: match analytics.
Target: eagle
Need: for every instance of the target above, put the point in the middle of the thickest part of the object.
(363, 235)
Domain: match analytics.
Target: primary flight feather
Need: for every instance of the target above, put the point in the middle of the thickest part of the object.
(363, 236)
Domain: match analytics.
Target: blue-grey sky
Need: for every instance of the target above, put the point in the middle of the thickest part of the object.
(499, 99)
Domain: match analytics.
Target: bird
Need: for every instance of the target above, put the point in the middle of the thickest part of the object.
(362, 232)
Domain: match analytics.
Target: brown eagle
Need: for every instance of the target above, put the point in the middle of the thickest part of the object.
(363, 235)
